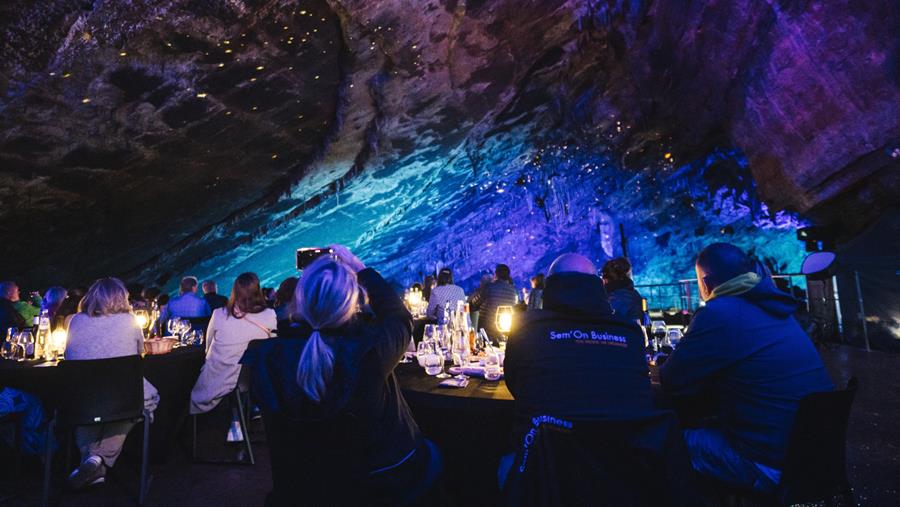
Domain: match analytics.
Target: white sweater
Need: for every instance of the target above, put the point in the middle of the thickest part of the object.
(226, 340)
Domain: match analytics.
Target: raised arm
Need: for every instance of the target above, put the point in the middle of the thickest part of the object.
(392, 326)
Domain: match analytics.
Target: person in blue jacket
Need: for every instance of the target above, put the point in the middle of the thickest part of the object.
(746, 350)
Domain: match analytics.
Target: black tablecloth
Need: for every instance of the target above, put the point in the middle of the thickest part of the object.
(471, 426)
(173, 375)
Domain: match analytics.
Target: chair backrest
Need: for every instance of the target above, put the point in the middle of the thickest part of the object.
(815, 464)
(322, 461)
(621, 463)
(93, 391)
(200, 323)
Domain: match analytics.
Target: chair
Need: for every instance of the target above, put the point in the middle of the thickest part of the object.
(597, 463)
(236, 398)
(815, 468)
(99, 391)
(15, 419)
(322, 458)
(199, 323)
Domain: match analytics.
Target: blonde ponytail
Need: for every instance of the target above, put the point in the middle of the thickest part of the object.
(327, 297)
(315, 367)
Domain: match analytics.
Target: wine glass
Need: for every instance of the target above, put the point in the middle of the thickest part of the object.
(26, 344)
(428, 334)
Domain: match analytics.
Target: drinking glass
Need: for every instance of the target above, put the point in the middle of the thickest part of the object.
(173, 325)
(434, 363)
(26, 344)
(492, 366)
(423, 349)
(673, 336)
(658, 328)
(193, 337)
(9, 347)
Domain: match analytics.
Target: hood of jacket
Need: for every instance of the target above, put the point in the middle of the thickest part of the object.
(576, 294)
(760, 291)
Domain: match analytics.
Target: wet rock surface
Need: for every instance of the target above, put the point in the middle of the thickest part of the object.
(157, 138)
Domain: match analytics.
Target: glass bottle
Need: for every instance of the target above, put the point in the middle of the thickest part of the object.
(42, 339)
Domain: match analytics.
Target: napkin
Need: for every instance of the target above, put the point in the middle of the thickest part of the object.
(454, 382)
(471, 370)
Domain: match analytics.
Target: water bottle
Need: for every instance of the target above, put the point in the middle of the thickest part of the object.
(42, 340)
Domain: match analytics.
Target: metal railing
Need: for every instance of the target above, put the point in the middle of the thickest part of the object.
(684, 295)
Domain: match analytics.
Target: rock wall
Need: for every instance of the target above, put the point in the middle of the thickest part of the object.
(425, 132)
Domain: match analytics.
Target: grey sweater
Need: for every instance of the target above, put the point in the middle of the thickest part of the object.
(108, 336)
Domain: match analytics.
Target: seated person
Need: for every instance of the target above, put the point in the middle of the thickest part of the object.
(244, 318)
(572, 359)
(626, 302)
(499, 292)
(445, 293)
(103, 328)
(334, 361)
(212, 296)
(746, 350)
(187, 304)
(27, 310)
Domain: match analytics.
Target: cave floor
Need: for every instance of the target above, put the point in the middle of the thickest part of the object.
(873, 449)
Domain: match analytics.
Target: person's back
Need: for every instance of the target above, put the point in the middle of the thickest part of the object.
(574, 360)
(215, 301)
(751, 353)
(104, 336)
(187, 305)
(745, 351)
(342, 364)
(231, 328)
(496, 294)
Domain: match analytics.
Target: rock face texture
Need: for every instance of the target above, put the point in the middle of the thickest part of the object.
(150, 139)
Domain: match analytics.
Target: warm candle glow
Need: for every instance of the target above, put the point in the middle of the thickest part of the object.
(142, 318)
(58, 341)
(504, 318)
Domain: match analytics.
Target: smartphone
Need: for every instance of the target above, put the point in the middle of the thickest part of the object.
(305, 256)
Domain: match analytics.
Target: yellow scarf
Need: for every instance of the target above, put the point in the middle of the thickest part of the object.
(737, 285)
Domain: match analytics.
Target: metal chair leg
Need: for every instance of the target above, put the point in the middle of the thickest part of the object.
(144, 459)
(194, 437)
(48, 461)
(244, 427)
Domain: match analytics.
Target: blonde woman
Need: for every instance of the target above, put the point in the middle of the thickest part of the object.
(334, 362)
(104, 327)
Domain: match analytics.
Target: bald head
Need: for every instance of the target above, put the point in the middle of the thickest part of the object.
(572, 263)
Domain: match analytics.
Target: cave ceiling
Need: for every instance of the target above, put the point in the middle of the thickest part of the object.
(155, 138)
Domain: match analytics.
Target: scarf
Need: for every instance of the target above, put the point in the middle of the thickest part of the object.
(736, 286)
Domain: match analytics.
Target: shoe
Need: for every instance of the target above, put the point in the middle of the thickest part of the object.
(90, 472)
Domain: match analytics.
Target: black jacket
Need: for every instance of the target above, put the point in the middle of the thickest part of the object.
(363, 384)
(486, 301)
(626, 302)
(215, 300)
(573, 359)
(749, 354)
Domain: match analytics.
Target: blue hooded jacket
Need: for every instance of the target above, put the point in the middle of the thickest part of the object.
(750, 353)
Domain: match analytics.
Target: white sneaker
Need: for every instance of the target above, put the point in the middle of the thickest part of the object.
(235, 434)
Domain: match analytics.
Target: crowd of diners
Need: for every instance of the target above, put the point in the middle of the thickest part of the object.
(327, 344)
